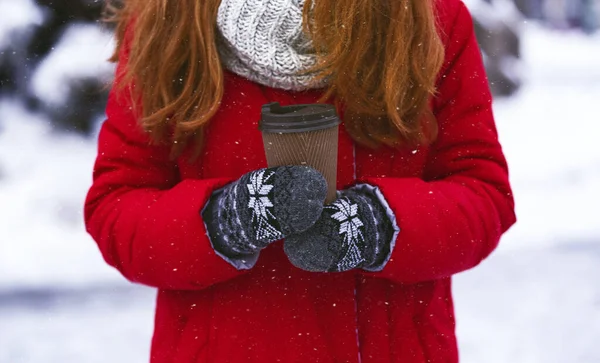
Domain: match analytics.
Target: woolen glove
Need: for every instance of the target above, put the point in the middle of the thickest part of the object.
(355, 231)
(264, 206)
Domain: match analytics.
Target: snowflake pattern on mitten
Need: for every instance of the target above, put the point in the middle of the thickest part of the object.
(264, 222)
(351, 228)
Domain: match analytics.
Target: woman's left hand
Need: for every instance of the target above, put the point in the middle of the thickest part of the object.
(355, 231)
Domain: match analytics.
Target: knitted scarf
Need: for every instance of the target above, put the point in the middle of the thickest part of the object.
(263, 41)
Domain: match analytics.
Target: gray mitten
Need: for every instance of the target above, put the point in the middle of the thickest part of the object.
(264, 206)
(355, 231)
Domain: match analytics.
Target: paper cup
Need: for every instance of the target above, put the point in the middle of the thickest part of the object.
(302, 135)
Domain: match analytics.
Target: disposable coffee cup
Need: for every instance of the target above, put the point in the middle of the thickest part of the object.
(302, 135)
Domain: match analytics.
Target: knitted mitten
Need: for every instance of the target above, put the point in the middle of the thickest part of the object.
(264, 206)
(353, 232)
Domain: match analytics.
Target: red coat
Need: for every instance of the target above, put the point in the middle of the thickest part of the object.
(452, 202)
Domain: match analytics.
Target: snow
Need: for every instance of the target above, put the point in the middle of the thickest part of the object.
(22, 13)
(535, 300)
(532, 306)
(550, 136)
(108, 325)
(44, 177)
(81, 53)
(495, 13)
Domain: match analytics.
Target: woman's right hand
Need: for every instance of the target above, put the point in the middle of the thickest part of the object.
(264, 206)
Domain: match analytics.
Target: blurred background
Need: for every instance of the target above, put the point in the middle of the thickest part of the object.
(537, 299)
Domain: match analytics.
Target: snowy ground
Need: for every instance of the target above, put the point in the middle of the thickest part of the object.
(98, 324)
(536, 300)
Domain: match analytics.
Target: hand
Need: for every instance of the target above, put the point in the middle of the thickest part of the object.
(354, 231)
(264, 206)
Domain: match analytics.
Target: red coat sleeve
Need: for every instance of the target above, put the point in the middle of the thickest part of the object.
(453, 219)
(145, 221)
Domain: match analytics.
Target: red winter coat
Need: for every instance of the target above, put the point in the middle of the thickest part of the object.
(452, 202)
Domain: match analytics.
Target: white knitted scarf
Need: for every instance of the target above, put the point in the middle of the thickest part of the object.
(262, 40)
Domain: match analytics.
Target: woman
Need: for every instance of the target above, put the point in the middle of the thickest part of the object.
(423, 184)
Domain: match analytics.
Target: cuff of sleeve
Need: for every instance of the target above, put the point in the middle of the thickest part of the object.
(239, 262)
(245, 262)
(376, 192)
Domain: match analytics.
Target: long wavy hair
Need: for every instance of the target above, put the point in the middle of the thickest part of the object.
(380, 58)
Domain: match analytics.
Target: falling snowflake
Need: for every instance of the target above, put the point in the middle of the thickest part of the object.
(346, 214)
(261, 205)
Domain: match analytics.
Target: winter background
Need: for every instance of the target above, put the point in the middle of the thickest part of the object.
(536, 299)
